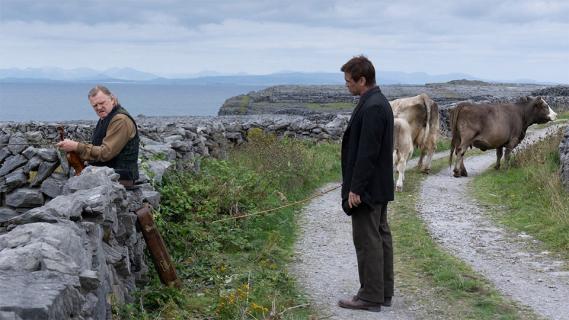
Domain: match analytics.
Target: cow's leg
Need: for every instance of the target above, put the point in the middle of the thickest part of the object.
(429, 158)
(428, 150)
(400, 160)
(459, 169)
(401, 175)
(499, 152)
(507, 157)
(459, 154)
(509, 147)
(463, 172)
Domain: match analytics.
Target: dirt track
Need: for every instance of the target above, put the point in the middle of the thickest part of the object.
(511, 261)
(326, 263)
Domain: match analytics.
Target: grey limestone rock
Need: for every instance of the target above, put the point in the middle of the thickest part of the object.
(40, 214)
(47, 154)
(4, 153)
(157, 168)
(29, 152)
(152, 197)
(45, 246)
(4, 139)
(7, 214)
(52, 187)
(173, 138)
(14, 180)
(25, 198)
(34, 136)
(12, 163)
(45, 170)
(33, 164)
(17, 144)
(59, 299)
(159, 150)
(91, 176)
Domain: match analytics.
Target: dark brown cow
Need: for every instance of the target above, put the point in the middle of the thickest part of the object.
(493, 126)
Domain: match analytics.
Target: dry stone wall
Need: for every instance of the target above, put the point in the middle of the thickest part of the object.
(66, 259)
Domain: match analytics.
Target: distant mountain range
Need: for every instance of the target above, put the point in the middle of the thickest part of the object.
(300, 78)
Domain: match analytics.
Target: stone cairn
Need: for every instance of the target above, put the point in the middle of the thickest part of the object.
(68, 244)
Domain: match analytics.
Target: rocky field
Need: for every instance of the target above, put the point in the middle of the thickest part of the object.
(306, 100)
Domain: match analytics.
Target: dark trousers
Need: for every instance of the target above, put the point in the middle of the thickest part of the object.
(372, 239)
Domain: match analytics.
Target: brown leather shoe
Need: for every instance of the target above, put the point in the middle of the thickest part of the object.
(386, 301)
(359, 304)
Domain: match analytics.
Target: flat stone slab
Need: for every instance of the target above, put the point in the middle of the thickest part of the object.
(39, 295)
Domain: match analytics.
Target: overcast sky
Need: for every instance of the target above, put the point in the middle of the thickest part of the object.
(492, 39)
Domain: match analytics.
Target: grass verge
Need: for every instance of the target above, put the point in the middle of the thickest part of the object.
(423, 269)
(529, 196)
(235, 269)
(331, 106)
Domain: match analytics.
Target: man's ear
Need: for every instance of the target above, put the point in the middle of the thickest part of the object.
(362, 81)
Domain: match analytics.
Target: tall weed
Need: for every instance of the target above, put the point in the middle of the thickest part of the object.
(235, 269)
(532, 192)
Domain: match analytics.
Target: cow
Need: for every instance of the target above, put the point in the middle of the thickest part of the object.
(402, 149)
(493, 126)
(422, 116)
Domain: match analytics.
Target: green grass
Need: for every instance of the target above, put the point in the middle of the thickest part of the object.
(244, 104)
(422, 265)
(529, 196)
(563, 115)
(332, 106)
(235, 269)
(443, 144)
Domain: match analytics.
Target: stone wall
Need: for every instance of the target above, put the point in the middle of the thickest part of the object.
(68, 258)
(564, 157)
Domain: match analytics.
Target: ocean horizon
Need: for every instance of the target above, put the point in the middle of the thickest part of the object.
(64, 101)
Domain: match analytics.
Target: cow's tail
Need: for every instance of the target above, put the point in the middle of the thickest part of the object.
(434, 118)
(396, 133)
(455, 140)
(427, 122)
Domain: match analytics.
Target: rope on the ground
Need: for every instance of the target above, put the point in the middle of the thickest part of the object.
(280, 207)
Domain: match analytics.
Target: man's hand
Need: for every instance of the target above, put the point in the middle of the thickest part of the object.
(67, 145)
(354, 200)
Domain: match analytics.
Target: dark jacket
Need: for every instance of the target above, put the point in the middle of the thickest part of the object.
(367, 150)
(126, 162)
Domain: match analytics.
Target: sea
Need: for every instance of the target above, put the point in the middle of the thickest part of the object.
(60, 101)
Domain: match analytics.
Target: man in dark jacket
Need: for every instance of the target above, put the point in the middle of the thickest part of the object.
(115, 140)
(367, 185)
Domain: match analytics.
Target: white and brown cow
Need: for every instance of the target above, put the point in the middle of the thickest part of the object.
(402, 149)
(493, 126)
(421, 114)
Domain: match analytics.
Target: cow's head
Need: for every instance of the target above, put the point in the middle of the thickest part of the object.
(539, 110)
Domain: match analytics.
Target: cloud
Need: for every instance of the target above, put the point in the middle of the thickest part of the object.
(487, 38)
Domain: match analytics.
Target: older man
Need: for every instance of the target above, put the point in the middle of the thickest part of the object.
(115, 140)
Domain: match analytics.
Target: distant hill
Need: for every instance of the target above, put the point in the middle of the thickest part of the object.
(291, 78)
(212, 77)
(79, 74)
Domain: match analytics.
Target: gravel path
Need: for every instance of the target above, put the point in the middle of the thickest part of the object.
(509, 260)
(326, 267)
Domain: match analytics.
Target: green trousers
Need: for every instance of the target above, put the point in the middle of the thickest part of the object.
(374, 250)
